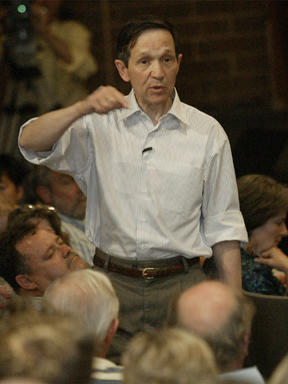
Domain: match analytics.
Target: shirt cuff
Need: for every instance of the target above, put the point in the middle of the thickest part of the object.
(226, 226)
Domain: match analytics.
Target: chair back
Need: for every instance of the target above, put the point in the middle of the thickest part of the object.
(269, 336)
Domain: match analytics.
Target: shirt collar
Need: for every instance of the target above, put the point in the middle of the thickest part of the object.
(133, 107)
(176, 109)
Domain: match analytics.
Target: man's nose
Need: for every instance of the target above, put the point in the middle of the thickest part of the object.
(65, 249)
(157, 70)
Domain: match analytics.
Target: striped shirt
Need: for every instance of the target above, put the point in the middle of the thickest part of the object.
(105, 372)
(153, 191)
(78, 240)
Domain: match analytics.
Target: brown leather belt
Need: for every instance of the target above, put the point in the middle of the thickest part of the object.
(149, 272)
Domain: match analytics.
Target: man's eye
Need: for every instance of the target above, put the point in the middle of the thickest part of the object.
(168, 59)
(50, 254)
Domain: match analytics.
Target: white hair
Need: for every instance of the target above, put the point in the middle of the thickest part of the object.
(168, 356)
(87, 294)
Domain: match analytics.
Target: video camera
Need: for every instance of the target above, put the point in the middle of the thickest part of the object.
(20, 47)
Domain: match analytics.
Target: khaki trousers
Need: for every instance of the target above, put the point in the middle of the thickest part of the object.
(144, 303)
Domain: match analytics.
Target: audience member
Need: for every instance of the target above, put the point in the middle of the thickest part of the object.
(222, 317)
(168, 356)
(150, 214)
(52, 348)
(62, 192)
(12, 175)
(89, 296)
(31, 258)
(42, 217)
(59, 190)
(264, 204)
(48, 62)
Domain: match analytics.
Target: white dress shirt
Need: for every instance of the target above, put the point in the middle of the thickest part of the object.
(245, 375)
(177, 197)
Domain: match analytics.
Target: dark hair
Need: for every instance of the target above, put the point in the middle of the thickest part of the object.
(12, 263)
(15, 169)
(22, 214)
(39, 175)
(132, 30)
(261, 198)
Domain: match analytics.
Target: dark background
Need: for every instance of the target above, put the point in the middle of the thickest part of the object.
(234, 67)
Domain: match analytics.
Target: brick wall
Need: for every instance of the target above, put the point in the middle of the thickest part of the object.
(224, 44)
(226, 67)
(228, 55)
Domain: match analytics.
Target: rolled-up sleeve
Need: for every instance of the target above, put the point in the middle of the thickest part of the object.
(69, 155)
(222, 219)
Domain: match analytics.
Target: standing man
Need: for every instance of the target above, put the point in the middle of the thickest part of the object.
(159, 174)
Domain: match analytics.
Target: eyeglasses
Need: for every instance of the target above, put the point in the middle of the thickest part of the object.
(30, 211)
(25, 208)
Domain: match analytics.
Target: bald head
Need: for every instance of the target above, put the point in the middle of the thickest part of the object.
(219, 315)
(206, 307)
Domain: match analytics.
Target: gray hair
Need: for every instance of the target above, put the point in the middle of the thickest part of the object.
(88, 295)
(168, 356)
(52, 347)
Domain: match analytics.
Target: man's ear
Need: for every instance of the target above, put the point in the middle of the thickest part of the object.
(122, 69)
(44, 193)
(246, 341)
(25, 282)
(179, 59)
(111, 331)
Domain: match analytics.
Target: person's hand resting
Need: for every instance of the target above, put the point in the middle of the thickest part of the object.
(274, 258)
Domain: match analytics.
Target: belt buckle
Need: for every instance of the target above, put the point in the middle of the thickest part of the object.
(145, 273)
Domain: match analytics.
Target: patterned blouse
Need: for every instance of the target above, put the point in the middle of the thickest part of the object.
(259, 278)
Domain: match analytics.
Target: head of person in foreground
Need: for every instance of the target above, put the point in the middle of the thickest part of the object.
(168, 356)
(221, 316)
(90, 296)
(48, 347)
